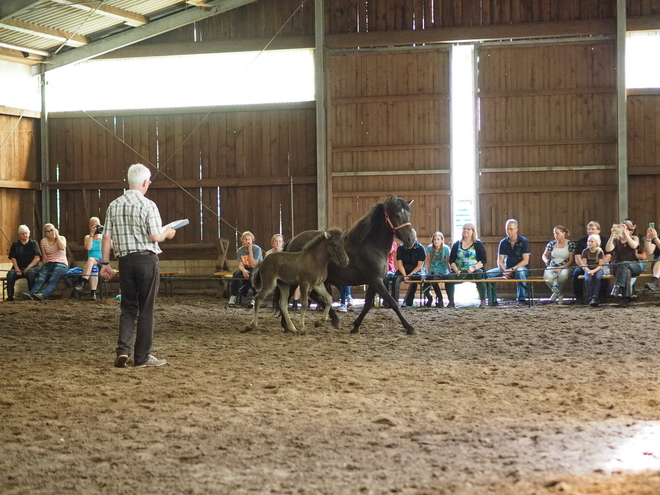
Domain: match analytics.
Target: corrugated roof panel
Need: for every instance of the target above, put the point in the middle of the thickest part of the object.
(70, 20)
(26, 40)
(146, 7)
(91, 24)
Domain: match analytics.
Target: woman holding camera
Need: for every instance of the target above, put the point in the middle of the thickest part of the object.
(623, 245)
(92, 243)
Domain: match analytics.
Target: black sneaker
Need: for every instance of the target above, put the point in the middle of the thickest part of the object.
(651, 285)
(27, 296)
(151, 361)
(10, 299)
(120, 362)
(38, 296)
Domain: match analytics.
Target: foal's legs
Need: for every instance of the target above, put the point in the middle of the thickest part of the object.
(284, 306)
(327, 298)
(266, 289)
(304, 299)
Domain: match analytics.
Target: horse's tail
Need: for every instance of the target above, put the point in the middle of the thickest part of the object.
(256, 278)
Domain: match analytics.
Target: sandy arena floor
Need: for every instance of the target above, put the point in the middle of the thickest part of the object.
(506, 400)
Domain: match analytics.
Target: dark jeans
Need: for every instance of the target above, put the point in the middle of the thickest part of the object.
(592, 283)
(476, 275)
(13, 276)
(578, 286)
(624, 272)
(49, 276)
(521, 287)
(410, 293)
(139, 277)
(243, 285)
(449, 288)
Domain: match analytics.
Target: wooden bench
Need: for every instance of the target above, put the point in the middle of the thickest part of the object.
(166, 278)
(530, 280)
(609, 277)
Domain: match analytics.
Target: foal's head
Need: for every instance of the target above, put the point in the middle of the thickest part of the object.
(334, 239)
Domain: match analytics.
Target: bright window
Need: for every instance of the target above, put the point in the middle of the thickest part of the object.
(18, 88)
(184, 81)
(463, 160)
(642, 69)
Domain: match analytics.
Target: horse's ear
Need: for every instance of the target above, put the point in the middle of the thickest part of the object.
(326, 234)
(410, 202)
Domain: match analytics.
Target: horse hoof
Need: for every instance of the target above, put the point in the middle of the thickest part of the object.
(411, 331)
(335, 322)
(247, 329)
(355, 330)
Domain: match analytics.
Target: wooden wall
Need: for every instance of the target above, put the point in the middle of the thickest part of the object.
(388, 132)
(378, 15)
(548, 140)
(20, 199)
(644, 158)
(223, 170)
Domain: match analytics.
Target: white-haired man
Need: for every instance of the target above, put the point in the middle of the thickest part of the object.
(24, 254)
(133, 228)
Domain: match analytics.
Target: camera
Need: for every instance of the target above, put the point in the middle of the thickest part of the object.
(98, 229)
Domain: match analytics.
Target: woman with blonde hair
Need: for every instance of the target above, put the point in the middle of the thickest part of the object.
(92, 243)
(623, 245)
(468, 259)
(558, 257)
(55, 264)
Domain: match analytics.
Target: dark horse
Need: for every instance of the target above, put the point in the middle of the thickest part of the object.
(368, 244)
(307, 268)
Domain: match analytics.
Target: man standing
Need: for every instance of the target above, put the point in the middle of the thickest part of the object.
(24, 255)
(593, 228)
(133, 228)
(512, 259)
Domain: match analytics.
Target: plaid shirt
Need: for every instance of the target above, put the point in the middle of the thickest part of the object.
(130, 220)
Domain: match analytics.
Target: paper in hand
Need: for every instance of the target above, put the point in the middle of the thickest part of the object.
(176, 224)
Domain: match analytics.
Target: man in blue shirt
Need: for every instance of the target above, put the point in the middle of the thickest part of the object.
(512, 261)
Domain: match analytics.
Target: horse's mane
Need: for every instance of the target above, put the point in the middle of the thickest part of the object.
(316, 240)
(375, 219)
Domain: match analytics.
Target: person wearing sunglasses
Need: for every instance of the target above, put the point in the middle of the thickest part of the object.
(55, 264)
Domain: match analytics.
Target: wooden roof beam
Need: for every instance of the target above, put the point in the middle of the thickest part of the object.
(71, 39)
(125, 16)
(17, 56)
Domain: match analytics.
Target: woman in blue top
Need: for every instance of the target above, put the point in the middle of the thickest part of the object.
(92, 243)
(437, 267)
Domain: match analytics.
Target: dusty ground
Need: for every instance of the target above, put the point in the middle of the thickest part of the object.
(502, 400)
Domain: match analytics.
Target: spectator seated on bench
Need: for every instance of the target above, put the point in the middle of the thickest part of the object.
(513, 256)
(53, 249)
(467, 260)
(24, 255)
